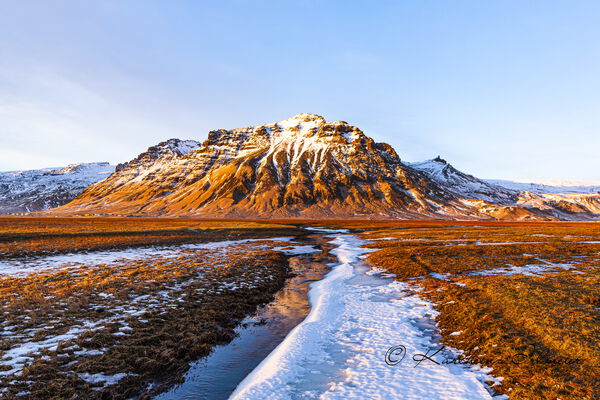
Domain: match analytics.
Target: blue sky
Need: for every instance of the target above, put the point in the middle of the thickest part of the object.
(502, 89)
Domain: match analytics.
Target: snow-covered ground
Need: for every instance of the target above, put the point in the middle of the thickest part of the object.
(17, 357)
(339, 350)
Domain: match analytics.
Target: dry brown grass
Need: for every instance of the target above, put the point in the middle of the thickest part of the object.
(148, 318)
(540, 332)
(26, 237)
(47, 225)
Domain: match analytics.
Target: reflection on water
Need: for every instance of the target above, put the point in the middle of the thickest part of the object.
(216, 376)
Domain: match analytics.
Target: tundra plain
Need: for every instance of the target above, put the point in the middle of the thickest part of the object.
(120, 307)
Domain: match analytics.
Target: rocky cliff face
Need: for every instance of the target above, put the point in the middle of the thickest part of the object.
(41, 189)
(304, 167)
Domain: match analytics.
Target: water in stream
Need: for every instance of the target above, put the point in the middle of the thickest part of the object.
(216, 376)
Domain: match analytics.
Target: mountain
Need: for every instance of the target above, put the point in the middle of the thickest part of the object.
(41, 189)
(464, 185)
(564, 200)
(501, 199)
(307, 167)
(304, 166)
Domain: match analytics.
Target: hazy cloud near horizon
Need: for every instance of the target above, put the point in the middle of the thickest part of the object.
(500, 90)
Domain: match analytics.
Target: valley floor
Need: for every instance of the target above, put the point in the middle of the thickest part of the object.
(116, 313)
(97, 308)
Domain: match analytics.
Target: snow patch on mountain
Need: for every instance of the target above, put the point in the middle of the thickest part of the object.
(183, 147)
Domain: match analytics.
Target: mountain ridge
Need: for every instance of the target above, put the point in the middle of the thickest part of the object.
(41, 189)
(307, 167)
(301, 166)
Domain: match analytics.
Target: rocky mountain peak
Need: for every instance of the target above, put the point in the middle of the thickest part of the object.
(303, 117)
(303, 165)
(302, 138)
(169, 149)
(173, 146)
(301, 125)
(463, 184)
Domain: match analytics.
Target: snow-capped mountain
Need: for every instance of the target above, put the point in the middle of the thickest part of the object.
(503, 199)
(464, 185)
(41, 189)
(304, 166)
(307, 167)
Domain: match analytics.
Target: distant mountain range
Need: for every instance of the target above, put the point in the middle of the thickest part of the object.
(305, 167)
(541, 187)
(41, 189)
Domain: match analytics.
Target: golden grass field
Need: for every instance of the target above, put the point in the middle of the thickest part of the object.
(37, 236)
(522, 298)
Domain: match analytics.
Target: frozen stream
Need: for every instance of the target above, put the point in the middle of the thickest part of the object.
(339, 350)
